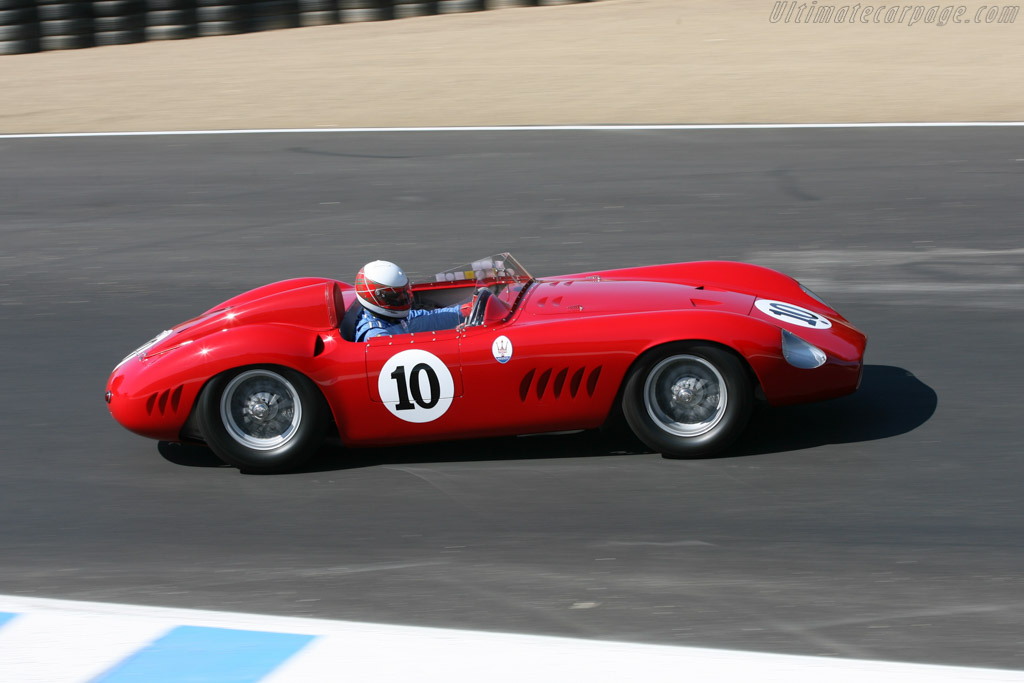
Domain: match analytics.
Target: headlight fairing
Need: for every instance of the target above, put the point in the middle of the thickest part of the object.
(801, 354)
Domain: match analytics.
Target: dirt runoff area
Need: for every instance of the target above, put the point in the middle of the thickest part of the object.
(614, 61)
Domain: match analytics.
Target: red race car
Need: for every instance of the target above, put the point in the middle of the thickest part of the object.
(685, 349)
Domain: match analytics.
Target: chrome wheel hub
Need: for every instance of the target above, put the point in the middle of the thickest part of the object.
(685, 395)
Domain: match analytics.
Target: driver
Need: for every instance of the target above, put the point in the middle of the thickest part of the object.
(386, 296)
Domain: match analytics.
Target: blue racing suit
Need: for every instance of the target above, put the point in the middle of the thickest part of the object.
(370, 324)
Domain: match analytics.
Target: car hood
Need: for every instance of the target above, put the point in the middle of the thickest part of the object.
(601, 296)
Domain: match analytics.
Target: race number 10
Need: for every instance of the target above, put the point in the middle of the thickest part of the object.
(416, 386)
(793, 314)
(403, 387)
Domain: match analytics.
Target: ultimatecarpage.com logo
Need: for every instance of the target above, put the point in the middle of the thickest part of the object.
(795, 12)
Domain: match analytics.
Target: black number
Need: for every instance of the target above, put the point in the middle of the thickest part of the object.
(435, 386)
(794, 312)
(414, 379)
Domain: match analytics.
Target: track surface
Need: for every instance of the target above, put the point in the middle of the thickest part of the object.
(885, 525)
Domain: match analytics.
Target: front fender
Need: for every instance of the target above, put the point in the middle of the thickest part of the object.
(154, 396)
(759, 343)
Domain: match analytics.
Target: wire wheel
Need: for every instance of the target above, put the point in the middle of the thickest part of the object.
(686, 395)
(687, 400)
(261, 409)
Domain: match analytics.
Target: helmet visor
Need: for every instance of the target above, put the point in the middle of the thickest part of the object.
(397, 298)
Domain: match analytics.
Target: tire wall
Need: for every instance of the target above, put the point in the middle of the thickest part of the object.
(36, 25)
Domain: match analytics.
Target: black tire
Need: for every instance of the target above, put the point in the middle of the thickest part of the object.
(317, 5)
(19, 32)
(104, 38)
(218, 13)
(117, 8)
(16, 4)
(179, 32)
(459, 6)
(687, 400)
(173, 17)
(132, 22)
(414, 8)
(355, 16)
(18, 47)
(220, 28)
(22, 15)
(66, 42)
(65, 27)
(318, 18)
(66, 10)
(292, 429)
(168, 5)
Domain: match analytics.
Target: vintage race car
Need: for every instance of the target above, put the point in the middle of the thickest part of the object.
(684, 350)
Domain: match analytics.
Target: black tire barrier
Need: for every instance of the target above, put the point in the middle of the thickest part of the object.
(414, 8)
(119, 22)
(220, 17)
(170, 19)
(20, 15)
(318, 12)
(117, 8)
(271, 15)
(459, 6)
(32, 25)
(65, 24)
(356, 11)
(104, 38)
(19, 47)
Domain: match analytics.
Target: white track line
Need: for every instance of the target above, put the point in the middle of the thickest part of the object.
(504, 129)
(345, 650)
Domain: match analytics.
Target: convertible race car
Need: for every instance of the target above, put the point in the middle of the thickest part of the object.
(684, 350)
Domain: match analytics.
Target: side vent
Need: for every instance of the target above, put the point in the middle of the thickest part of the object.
(574, 385)
(559, 382)
(561, 379)
(542, 383)
(524, 386)
(318, 346)
(592, 380)
(158, 400)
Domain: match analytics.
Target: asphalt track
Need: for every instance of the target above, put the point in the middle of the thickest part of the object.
(886, 525)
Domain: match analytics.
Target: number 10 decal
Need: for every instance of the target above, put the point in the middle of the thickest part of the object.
(416, 386)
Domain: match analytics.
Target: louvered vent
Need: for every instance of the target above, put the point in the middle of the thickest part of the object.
(559, 382)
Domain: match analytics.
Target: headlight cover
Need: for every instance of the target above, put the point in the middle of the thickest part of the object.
(801, 354)
(142, 349)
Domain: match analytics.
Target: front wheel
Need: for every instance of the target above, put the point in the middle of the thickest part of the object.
(263, 420)
(687, 401)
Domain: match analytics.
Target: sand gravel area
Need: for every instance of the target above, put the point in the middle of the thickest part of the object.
(614, 61)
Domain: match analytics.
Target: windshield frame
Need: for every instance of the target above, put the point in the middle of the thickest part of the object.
(496, 272)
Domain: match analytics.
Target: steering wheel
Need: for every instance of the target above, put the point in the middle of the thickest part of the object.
(476, 314)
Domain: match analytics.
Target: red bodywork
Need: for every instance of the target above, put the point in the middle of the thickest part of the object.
(573, 339)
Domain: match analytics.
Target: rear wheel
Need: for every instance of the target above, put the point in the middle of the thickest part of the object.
(687, 401)
(263, 420)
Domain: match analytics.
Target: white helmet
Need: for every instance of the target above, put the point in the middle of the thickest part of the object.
(383, 288)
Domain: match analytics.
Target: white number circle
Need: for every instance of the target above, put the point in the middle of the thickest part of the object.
(416, 386)
(793, 314)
